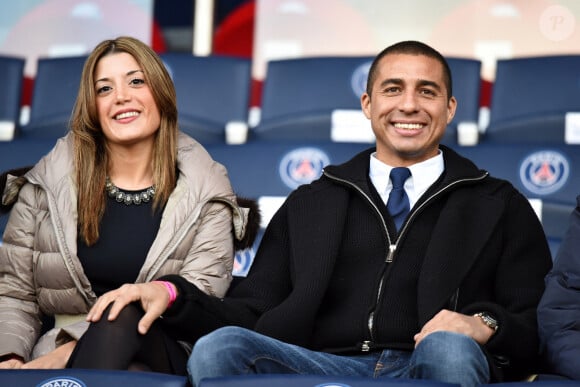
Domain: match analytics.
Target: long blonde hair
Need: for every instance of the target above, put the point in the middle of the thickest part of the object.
(90, 150)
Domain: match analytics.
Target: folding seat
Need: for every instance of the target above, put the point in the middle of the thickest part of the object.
(11, 81)
(300, 96)
(318, 98)
(54, 93)
(466, 80)
(531, 99)
(88, 377)
(545, 174)
(275, 380)
(267, 171)
(211, 92)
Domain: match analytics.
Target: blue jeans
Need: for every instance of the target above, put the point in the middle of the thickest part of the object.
(442, 356)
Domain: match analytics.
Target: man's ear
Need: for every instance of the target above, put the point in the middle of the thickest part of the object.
(365, 104)
(451, 107)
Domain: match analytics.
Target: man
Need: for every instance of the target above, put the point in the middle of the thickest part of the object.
(337, 288)
(559, 309)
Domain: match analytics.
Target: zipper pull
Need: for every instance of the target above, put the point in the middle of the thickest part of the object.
(366, 346)
(392, 249)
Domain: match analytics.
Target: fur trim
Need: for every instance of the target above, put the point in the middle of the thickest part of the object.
(10, 189)
(253, 223)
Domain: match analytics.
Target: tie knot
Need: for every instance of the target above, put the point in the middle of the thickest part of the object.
(398, 176)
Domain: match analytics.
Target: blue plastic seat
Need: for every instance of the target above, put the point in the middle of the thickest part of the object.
(274, 380)
(466, 79)
(545, 174)
(299, 96)
(11, 80)
(520, 111)
(88, 378)
(54, 94)
(211, 91)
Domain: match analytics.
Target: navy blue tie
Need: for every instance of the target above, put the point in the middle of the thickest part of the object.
(398, 203)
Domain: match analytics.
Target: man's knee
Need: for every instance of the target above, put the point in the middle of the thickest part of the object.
(221, 342)
(449, 348)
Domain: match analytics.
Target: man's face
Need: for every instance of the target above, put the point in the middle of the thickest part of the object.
(409, 108)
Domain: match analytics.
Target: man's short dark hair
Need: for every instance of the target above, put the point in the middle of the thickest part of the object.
(412, 47)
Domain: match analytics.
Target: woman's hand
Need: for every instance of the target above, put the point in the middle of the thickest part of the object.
(55, 359)
(153, 296)
(11, 362)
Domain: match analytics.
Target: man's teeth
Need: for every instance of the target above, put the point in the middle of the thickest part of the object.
(126, 115)
(408, 126)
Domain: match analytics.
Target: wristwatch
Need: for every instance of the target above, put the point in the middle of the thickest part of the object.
(488, 320)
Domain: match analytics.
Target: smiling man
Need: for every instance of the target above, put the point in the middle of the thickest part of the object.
(406, 261)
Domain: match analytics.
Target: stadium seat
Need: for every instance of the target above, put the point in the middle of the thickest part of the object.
(303, 97)
(300, 95)
(88, 378)
(11, 79)
(466, 79)
(521, 110)
(269, 171)
(545, 174)
(211, 92)
(54, 93)
(274, 380)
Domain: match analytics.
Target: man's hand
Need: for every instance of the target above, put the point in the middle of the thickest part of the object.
(449, 321)
(153, 297)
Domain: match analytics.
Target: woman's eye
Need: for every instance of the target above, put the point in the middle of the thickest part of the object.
(137, 81)
(103, 89)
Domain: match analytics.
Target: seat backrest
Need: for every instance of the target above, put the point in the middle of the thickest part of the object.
(466, 80)
(545, 174)
(291, 380)
(269, 171)
(520, 110)
(11, 83)
(211, 91)
(55, 89)
(299, 95)
(87, 377)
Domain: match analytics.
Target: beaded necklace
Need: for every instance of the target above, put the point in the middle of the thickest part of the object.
(129, 198)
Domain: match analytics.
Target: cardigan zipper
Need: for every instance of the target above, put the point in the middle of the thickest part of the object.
(366, 345)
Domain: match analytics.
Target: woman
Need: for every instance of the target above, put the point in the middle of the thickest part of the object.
(123, 198)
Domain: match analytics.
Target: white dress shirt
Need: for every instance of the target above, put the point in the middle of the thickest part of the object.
(423, 175)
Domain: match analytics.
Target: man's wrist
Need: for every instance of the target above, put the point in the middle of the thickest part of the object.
(488, 320)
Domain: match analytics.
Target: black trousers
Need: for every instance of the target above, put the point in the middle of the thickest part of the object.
(116, 345)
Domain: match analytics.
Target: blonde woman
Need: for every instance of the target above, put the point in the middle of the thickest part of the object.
(124, 198)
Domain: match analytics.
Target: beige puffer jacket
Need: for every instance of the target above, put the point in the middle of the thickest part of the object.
(40, 272)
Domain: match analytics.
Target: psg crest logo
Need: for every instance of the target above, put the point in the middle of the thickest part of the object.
(544, 172)
(358, 81)
(62, 382)
(302, 165)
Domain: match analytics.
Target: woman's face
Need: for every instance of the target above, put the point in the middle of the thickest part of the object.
(127, 110)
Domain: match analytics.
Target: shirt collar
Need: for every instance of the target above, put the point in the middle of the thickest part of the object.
(423, 175)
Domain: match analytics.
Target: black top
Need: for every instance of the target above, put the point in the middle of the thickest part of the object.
(126, 235)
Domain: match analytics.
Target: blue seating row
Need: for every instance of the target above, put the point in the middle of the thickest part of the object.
(269, 171)
(300, 96)
(105, 378)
